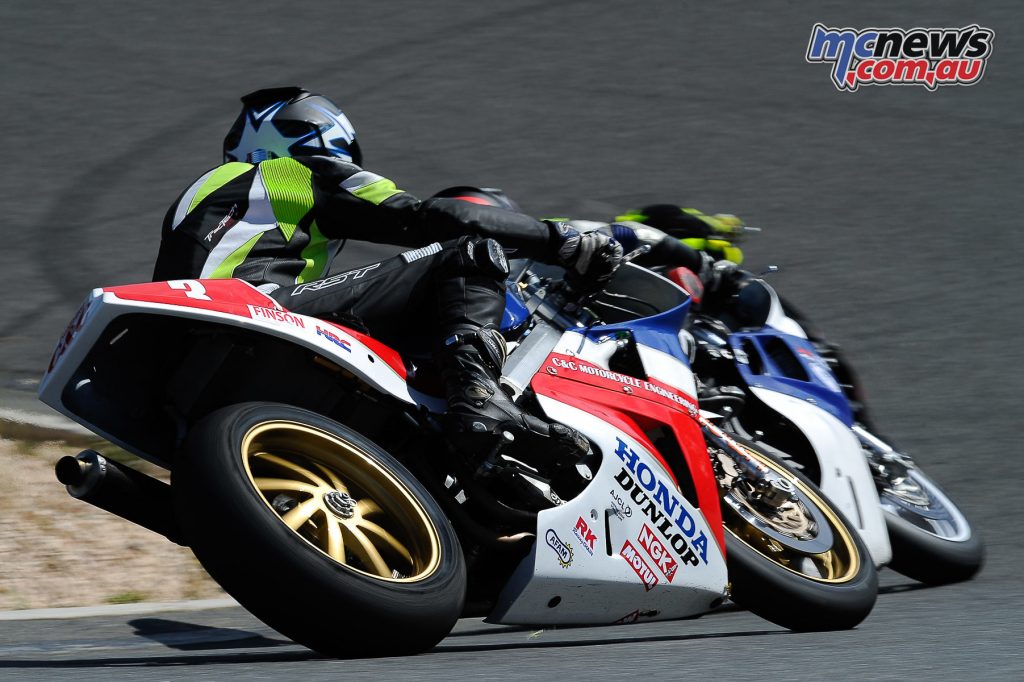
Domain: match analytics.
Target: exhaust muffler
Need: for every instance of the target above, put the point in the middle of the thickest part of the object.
(120, 490)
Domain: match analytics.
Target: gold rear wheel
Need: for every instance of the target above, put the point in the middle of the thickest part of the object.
(339, 500)
(295, 514)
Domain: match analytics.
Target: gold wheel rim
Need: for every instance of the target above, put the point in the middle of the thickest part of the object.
(839, 564)
(338, 499)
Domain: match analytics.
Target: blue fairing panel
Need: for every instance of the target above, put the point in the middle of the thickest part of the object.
(660, 331)
(814, 380)
(515, 312)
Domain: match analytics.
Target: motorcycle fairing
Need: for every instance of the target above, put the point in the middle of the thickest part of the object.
(112, 315)
(809, 380)
(643, 408)
(845, 477)
(634, 508)
(796, 383)
(565, 581)
(657, 332)
(237, 297)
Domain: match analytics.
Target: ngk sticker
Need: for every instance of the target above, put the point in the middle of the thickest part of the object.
(663, 559)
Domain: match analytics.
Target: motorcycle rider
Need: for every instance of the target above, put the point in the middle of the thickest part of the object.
(695, 242)
(663, 250)
(289, 195)
(712, 234)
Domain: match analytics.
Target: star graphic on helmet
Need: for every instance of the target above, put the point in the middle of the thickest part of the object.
(339, 134)
(258, 117)
(258, 136)
(261, 137)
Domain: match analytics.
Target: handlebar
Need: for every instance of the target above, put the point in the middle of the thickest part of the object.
(556, 298)
(636, 253)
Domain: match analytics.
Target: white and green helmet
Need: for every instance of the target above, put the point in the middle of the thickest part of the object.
(286, 122)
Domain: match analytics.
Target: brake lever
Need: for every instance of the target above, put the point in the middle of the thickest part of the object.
(636, 253)
(581, 301)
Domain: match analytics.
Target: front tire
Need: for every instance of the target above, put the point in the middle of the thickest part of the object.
(799, 565)
(932, 541)
(318, 532)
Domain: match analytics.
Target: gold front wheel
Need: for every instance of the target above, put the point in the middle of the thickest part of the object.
(800, 532)
(793, 558)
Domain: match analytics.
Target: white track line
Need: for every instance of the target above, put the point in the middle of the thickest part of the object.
(117, 609)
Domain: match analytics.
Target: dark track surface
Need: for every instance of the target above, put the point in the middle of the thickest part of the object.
(892, 211)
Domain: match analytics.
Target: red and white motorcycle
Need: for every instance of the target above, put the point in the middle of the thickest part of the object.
(310, 477)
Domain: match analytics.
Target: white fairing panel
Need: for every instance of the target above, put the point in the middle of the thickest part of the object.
(778, 319)
(101, 308)
(845, 477)
(657, 363)
(605, 557)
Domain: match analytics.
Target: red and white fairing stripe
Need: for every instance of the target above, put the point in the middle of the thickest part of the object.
(575, 386)
(225, 301)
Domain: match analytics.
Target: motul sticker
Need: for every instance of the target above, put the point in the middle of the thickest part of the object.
(639, 566)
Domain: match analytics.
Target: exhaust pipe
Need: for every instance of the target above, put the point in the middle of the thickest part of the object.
(120, 490)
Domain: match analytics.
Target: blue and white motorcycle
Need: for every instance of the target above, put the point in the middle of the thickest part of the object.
(771, 377)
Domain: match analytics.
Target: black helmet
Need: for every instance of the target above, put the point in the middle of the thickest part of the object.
(283, 122)
(485, 196)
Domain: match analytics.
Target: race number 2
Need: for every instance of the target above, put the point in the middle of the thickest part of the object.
(191, 287)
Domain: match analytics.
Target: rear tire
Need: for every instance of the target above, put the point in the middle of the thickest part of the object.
(319, 532)
(824, 582)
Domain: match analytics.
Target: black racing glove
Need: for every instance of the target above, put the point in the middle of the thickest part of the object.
(665, 250)
(709, 277)
(591, 257)
(721, 276)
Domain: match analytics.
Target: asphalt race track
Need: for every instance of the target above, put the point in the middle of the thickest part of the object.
(892, 212)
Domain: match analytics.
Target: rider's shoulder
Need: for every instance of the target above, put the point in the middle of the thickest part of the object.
(327, 166)
(218, 176)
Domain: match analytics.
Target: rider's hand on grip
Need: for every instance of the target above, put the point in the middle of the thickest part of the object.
(720, 276)
(591, 258)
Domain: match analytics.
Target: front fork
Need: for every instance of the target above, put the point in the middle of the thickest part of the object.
(890, 468)
(768, 488)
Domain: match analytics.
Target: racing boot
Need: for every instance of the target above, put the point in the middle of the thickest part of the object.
(481, 416)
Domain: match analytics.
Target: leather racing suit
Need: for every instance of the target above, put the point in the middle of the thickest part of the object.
(279, 225)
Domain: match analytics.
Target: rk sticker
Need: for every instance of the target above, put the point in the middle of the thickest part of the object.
(586, 536)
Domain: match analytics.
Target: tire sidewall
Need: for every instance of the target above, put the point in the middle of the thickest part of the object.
(279, 576)
(799, 603)
(930, 559)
